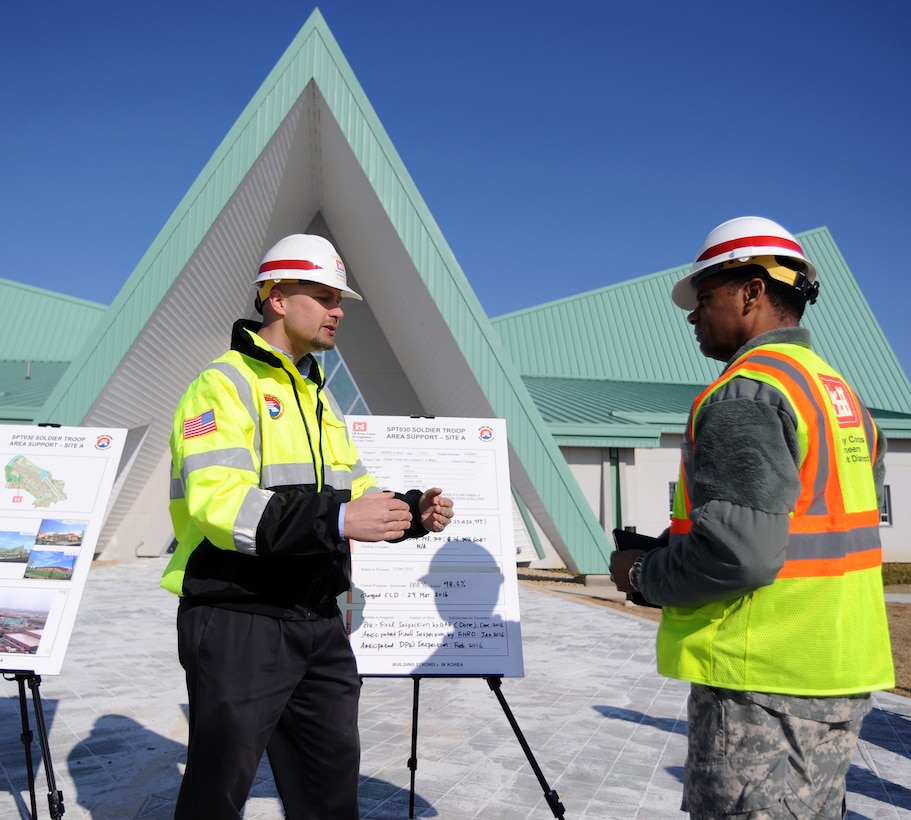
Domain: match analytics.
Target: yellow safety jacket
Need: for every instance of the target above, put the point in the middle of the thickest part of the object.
(261, 462)
(820, 628)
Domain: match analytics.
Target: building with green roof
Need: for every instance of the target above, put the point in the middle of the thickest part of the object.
(594, 388)
(614, 372)
(41, 329)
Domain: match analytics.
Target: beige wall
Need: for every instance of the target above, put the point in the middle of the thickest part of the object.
(645, 474)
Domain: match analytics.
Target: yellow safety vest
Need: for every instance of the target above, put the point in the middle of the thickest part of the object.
(249, 427)
(820, 628)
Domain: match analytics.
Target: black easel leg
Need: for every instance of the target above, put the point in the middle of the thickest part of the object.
(553, 799)
(54, 796)
(413, 760)
(26, 738)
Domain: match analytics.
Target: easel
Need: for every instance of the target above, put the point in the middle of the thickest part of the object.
(493, 681)
(55, 796)
(79, 446)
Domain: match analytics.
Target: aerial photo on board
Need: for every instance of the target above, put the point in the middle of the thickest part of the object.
(23, 475)
(23, 616)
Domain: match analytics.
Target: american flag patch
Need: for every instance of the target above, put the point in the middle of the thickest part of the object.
(199, 425)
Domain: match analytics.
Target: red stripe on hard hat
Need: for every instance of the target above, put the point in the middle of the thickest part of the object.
(746, 241)
(289, 264)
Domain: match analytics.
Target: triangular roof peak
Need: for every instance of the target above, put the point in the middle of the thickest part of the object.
(309, 154)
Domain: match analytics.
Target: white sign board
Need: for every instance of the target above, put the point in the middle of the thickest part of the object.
(57, 482)
(446, 603)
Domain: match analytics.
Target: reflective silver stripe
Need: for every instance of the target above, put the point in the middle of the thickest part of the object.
(233, 458)
(809, 388)
(817, 545)
(245, 394)
(288, 475)
(248, 517)
(175, 491)
(339, 479)
(293, 475)
(358, 471)
(327, 394)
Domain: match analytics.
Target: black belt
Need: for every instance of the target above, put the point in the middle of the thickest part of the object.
(324, 609)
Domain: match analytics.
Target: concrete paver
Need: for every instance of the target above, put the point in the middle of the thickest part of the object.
(608, 733)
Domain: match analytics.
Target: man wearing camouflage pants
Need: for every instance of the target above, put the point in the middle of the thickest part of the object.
(770, 576)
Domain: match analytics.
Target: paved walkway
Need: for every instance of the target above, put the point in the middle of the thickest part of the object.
(607, 732)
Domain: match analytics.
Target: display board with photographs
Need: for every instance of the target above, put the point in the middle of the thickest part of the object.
(56, 486)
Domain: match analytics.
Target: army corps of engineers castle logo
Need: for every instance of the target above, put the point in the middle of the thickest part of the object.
(842, 401)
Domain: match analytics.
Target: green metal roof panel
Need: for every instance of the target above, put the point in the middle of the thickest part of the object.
(596, 401)
(894, 425)
(24, 387)
(633, 332)
(601, 413)
(628, 332)
(32, 320)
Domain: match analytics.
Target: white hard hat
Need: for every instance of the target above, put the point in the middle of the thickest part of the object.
(302, 257)
(748, 240)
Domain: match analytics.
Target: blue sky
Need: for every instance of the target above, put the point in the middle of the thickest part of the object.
(561, 147)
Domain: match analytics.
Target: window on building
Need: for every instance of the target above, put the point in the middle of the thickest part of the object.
(342, 385)
(885, 511)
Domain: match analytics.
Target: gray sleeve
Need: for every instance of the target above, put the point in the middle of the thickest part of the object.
(745, 483)
(879, 466)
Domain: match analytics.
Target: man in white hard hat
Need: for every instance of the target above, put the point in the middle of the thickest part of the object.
(266, 491)
(770, 575)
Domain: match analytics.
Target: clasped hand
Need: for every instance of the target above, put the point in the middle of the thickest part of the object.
(383, 517)
(436, 510)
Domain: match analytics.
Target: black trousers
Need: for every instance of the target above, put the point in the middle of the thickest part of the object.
(257, 684)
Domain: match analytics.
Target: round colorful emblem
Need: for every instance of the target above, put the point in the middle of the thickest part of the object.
(274, 405)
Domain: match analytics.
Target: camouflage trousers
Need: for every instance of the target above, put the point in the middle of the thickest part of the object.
(756, 756)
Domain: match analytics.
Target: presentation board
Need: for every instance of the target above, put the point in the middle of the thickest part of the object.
(446, 603)
(57, 483)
